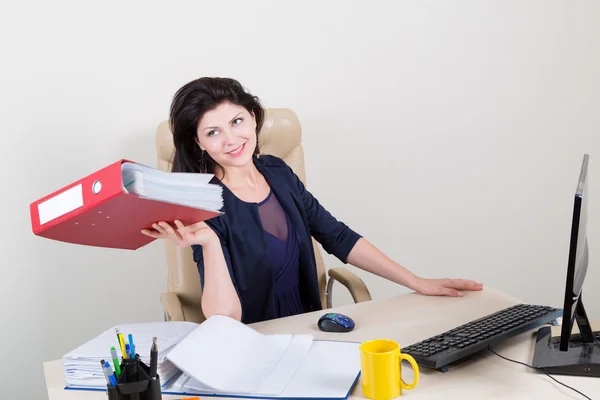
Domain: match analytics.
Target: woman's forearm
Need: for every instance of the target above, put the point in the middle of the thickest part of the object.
(369, 258)
(218, 295)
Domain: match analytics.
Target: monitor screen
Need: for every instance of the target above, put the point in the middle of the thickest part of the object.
(578, 252)
(581, 255)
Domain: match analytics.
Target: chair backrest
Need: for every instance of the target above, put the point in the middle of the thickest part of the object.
(281, 136)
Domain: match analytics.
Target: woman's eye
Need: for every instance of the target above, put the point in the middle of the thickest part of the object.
(212, 133)
(237, 121)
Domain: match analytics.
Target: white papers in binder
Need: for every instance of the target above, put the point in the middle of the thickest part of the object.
(224, 357)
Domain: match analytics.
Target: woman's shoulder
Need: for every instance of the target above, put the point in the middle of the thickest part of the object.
(276, 167)
(269, 160)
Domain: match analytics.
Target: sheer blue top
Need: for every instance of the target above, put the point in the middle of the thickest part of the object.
(285, 257)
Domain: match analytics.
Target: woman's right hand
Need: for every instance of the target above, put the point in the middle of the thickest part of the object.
(183, 236)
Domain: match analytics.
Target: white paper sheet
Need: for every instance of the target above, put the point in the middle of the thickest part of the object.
(230, 357)
(190, 189)
(329, 370)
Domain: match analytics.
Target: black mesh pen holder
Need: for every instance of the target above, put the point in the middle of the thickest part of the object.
(135, 382)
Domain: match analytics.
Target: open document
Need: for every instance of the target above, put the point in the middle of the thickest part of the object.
(224, 357)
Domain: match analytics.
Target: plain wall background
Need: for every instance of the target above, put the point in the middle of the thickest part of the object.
(450, 134)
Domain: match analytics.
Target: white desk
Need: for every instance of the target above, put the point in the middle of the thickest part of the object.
(408, 319)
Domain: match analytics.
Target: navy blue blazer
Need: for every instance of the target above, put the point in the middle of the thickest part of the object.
(244, 245)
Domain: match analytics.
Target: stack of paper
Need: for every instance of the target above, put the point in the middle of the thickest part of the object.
(224, 357)
(82, 365)
(189, 189)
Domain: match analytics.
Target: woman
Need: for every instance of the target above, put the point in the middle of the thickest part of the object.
(256, 261)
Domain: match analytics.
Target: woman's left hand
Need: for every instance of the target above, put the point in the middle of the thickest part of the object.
(445, 287)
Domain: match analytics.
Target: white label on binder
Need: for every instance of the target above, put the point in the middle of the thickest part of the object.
(61, 204)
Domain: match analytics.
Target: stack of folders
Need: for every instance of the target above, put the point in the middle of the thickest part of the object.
(82, 367)
(190, 189)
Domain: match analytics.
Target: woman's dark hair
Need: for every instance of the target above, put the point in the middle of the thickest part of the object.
(189, 105)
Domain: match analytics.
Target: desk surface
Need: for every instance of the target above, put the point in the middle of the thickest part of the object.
(408, 319)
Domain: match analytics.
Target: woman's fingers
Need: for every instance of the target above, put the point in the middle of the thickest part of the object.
(446, 291)
(167, 228)
(181, 229)
(162, 230)
(190, 228)
(183, 232)
(151, 233)
(182, 235)
(464, 284)
(179, 225)
(159, 228)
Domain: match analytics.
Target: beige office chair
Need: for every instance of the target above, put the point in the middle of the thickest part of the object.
(280, 136)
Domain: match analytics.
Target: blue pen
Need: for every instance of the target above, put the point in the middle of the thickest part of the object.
(131, 346)
(105, 372)
(111, 373)
(127, 350)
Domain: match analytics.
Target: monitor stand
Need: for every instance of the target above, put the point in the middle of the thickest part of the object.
(581, 357)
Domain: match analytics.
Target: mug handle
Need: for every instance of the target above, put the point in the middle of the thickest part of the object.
(415, 368)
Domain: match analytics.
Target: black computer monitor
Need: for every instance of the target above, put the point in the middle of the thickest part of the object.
(572, 354)
(573, 310)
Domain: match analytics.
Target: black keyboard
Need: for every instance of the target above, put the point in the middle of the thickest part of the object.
(440, 350)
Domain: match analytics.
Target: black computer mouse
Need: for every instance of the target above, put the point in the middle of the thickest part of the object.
(335, 322)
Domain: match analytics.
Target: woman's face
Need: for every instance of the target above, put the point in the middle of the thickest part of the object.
(228, 134)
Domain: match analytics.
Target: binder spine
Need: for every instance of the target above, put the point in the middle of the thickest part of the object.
(77, 197)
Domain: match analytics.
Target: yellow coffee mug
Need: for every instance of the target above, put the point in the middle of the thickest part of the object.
(381, 369)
